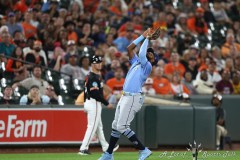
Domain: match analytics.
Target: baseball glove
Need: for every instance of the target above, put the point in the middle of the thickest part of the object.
(155, 33)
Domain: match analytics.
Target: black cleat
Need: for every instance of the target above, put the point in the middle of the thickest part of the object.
(84, 152)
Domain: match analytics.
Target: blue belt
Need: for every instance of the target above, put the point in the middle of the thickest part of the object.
(131, 94)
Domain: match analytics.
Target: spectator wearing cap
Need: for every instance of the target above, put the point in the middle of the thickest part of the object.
(116, 83)
(213, 76)
(230, 47)
(36, 80)
(236, 83)
(70, 27)
(62, 13)
(225, 86)
(148, 89)
(71, 69)
(192, 67)
(174, 66)
(71, 50)
(7, 96)
(34, 97)
(184, 59)
(160, 84)
(12, 25)
(202, 84)
(3, 29)
(28, 29)
(197, 24)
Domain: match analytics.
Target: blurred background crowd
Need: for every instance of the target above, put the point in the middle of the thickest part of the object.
(45, 46)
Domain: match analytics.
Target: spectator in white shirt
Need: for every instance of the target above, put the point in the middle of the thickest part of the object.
(148, 87)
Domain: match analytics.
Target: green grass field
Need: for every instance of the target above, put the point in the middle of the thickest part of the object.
(164, 155)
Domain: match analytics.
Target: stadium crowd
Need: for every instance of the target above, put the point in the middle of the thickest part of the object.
(199, 45)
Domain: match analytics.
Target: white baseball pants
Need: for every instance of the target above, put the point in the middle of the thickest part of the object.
(94, 110)
(126, 109)
(221, 131)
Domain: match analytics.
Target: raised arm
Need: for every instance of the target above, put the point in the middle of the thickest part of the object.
(143, 52)
(131, 47)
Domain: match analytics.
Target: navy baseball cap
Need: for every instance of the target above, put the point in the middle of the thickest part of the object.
(11, 14)
(96, 59)
(156, 57)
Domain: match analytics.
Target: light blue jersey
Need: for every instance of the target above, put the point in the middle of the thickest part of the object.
(139, 71)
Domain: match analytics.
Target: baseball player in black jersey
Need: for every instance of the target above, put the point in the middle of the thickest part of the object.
(93, 97)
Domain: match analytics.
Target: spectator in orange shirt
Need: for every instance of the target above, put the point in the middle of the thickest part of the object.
(174, 66)
(16, 68)
(118, 8)
(21, 6)
(116, 83)
(135, 23)
(230, 48)
(161, 21)
(197, 24)
(161, 84)
(72, 35)
(28, 29)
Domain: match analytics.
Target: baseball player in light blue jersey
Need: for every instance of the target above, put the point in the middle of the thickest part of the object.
(132, 98)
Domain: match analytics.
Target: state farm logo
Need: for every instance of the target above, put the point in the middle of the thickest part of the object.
(22, 128)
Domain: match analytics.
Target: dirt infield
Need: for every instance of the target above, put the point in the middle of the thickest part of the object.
(71, 149)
